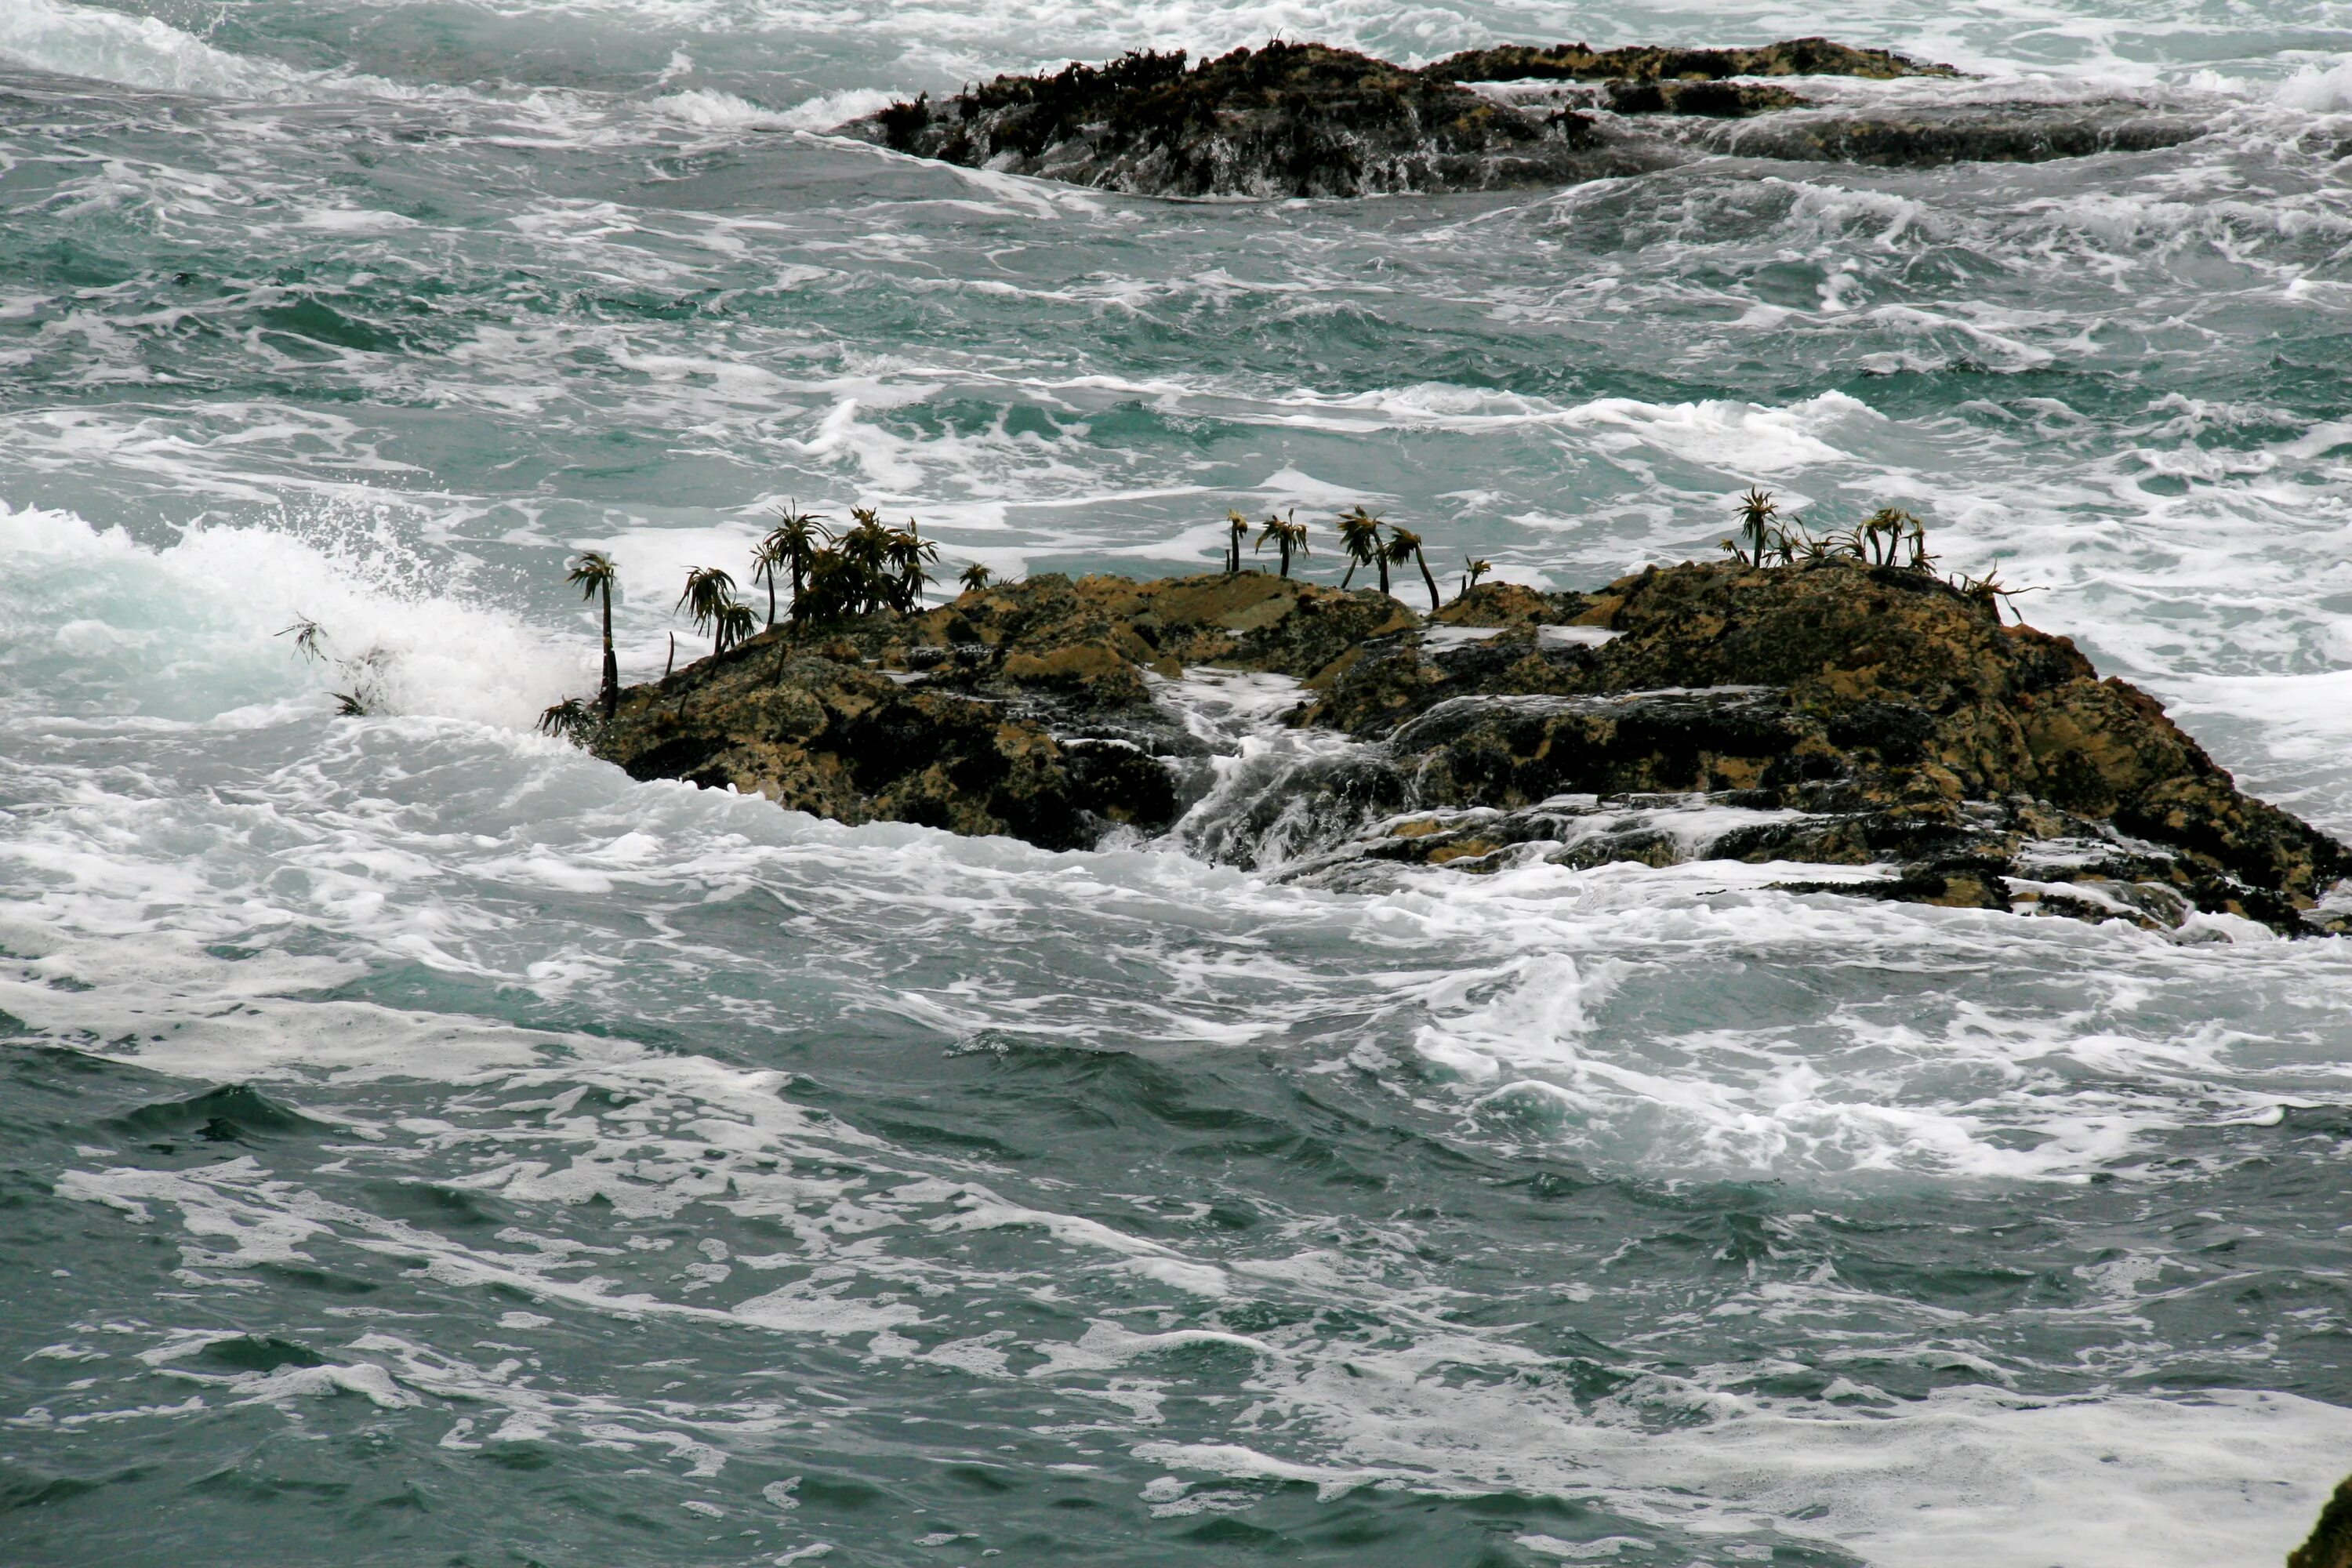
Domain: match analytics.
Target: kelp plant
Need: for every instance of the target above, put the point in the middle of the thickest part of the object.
(1287, 536)
(366, 672)
(789, 547)
(1237, 528)
(869, 568)
(1887, 537)
(596, 574)
(1404, 545)
(709, 601)
(1359, 536)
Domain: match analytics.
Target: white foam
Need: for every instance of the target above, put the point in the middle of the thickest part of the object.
(2319, 90)
(195, 630)
(828, 110)
(709, 109)
(149, 53)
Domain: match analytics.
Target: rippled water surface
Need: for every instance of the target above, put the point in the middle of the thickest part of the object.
(425, 1145)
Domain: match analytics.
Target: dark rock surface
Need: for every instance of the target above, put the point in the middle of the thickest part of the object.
(1926, 136)
(1650, 63)
(1288, 120)
(1023, 709)
(2330, 1546)
(1304, 120)
(1834, 714)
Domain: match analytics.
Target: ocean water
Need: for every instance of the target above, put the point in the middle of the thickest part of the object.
(425, 1145)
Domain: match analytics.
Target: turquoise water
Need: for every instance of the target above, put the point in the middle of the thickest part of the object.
(425, 1145)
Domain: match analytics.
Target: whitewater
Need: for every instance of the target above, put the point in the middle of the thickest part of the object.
(424, 1144)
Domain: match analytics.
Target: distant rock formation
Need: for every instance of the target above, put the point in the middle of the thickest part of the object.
(1651, 63)
(1834, 712)
(1307, 120)
(1288, 120)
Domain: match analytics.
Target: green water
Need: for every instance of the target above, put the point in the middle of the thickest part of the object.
(425, 1145)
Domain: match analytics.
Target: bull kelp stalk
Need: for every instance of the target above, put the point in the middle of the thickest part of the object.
(1287, 536)
(1359, 536)
(1757, 510)
(594, 572)
(908, 553)
(1404, 545)
(737, 625)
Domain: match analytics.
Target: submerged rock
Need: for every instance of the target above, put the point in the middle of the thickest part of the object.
(1305, 120)
(1925, 136)
(1871, 718)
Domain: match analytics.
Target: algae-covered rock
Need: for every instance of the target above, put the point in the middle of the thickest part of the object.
(1023, 709)
(1287, 120)
(1855, 714)
(1307, 120)
(1650, 63)
(1835, 713)
(2330, 1546)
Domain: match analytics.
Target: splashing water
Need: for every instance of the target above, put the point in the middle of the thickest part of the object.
(427, 1145)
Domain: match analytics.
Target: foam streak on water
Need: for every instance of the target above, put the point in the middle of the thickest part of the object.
(427, 1145)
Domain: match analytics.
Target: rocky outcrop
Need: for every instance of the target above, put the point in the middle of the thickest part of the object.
(1305, 120)
(1288, 120)
(1834, 713)
(1837, 713)
(1025, 709)
(2330, 1546)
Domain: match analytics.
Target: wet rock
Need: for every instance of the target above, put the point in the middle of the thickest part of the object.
(1924, 137)
(1834, 714)
(2330, 1546)
(1305, 120)
(1715, 100)
(1024, 710)
(1648, 63)
(1287, 120)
